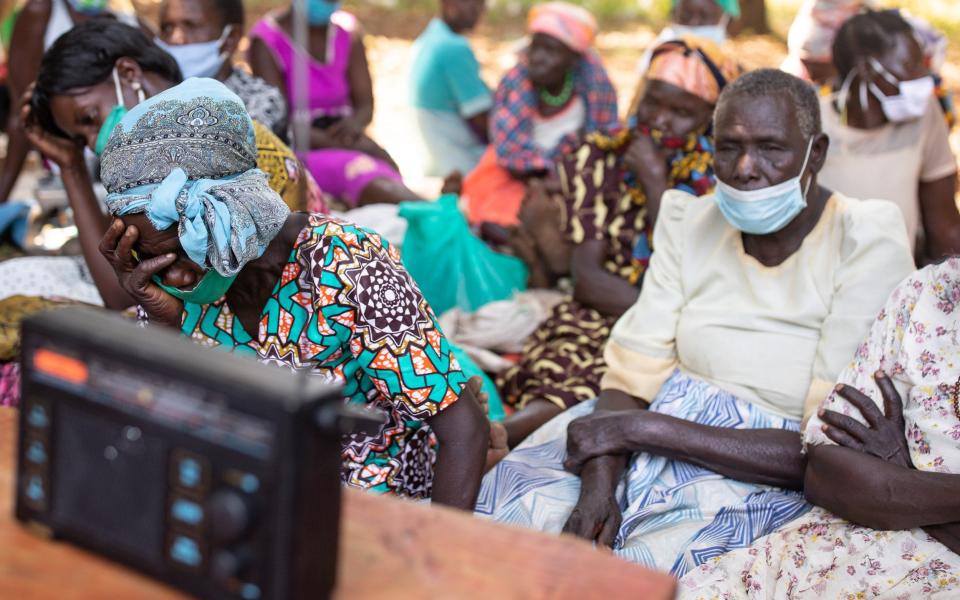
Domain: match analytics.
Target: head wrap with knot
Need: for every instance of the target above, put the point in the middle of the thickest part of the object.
(695, 65)
(731, 7)
(571, 24)
(188, 157)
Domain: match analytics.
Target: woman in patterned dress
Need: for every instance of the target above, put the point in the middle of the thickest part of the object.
(886, 472)
(612, 185)
(204, 245)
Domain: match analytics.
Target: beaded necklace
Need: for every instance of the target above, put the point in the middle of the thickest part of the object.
(563, 97)
(956, 399)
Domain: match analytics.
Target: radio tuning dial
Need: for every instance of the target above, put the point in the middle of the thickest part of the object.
(231, 514)
(230, 564)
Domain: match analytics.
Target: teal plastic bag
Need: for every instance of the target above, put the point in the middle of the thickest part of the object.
(452, 266)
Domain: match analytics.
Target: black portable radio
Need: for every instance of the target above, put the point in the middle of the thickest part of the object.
(205, 470)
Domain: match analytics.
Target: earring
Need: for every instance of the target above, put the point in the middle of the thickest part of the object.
(138, 88)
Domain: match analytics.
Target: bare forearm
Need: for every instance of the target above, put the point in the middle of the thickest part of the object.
(604, 292)
(948, 535)
(463, 433)
(601, 475)
(765, 456)
(878, 494)
(91, 226)
(17, 148)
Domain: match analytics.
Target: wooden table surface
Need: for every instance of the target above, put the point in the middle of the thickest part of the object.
(389, 548)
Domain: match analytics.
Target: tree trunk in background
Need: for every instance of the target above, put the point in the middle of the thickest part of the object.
(753, 17)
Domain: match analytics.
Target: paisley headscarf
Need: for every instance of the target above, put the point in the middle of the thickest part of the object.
(188, 157)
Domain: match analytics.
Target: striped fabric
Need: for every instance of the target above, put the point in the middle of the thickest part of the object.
(676, 515)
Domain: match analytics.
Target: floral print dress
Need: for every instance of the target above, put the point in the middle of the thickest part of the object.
(346, 309)
(915, 340)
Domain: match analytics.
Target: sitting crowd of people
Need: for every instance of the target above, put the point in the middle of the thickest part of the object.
(749, 371)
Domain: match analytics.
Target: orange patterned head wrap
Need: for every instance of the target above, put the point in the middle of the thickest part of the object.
(694, 65)
(571, 24)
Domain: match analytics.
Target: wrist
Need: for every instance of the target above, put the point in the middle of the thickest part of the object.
(601, 475)
(74, 169)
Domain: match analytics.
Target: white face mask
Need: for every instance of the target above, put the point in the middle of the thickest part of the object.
(912, 101)
(203, 59)
(714, 33)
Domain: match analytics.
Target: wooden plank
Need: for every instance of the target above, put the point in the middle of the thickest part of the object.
(389, 548)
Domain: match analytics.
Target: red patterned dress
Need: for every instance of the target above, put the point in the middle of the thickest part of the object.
(346, 309)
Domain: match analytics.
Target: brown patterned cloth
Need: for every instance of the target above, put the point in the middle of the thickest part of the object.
(563, 360)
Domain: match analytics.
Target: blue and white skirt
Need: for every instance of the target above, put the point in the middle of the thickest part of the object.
(676, 515)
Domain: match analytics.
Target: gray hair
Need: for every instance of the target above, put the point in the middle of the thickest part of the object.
(769, 82)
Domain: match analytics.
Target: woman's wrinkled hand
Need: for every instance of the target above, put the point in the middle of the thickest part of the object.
(884, 435)
(66, 153)
(136, 277)
(596, 518)
(593, 435)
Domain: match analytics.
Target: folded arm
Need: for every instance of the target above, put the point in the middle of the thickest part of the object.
(876, 493)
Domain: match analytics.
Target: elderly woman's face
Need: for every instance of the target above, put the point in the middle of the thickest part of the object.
(697, 13)
(549, 61)
(675, 112)
(80, 114)
(184, 273)
(757, 142)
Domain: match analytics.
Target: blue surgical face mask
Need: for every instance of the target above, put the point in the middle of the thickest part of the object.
(202, 59)
(319, 12)
(767, 210)
(714, 33)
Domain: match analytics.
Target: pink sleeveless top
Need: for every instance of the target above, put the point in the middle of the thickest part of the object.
(329, 87)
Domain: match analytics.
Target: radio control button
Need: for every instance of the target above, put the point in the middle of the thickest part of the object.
(186, 551)
(36, 452)
(187, 512)
(36, 489)
(231, 514)
(228, 565)
(189, 473)
(38, 417)
(250, 591)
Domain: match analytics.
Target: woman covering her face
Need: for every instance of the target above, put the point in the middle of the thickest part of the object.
(88, 80)
(888, 136)
(753, 302)
(203, 244)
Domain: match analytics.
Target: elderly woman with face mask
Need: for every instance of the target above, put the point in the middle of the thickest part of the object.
(203, 244)
(754, 300)
(557, 92)
(203, 35)
(888, 137)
